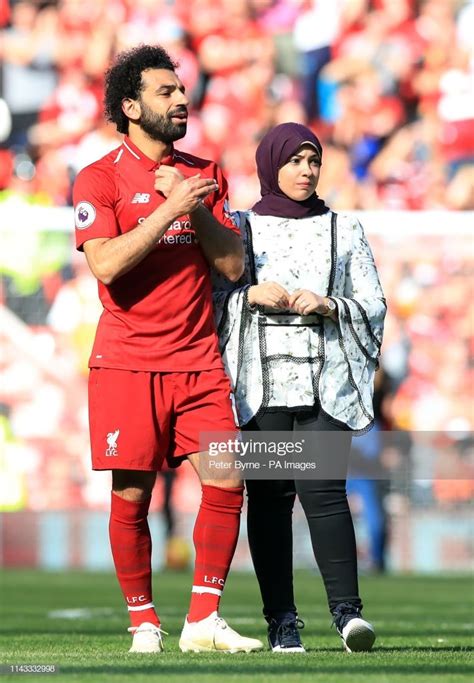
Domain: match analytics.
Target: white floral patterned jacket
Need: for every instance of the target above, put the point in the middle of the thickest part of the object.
(283, 360)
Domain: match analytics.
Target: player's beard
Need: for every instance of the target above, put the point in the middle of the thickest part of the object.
(159, 127)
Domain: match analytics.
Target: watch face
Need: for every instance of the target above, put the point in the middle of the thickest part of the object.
(331, 305)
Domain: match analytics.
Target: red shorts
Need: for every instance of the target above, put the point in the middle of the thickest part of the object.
(139, 419)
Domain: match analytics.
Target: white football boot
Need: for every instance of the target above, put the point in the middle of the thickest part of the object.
(147, 637)
(214, 634)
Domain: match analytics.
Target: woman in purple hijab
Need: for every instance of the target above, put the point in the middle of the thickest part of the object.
(273, 153)
(300, 336)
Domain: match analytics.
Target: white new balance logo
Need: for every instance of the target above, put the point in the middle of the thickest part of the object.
(141, 198)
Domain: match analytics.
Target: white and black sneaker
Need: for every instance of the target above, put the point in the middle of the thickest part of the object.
(357, 635)
(283, 636)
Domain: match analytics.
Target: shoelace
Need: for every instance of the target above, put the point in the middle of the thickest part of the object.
(286, 630)
(343, 613)
(221, 623)
(155, 629)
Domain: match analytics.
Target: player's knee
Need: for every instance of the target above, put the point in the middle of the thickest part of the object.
(132, 484)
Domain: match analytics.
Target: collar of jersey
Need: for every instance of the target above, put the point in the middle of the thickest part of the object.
(146, 162)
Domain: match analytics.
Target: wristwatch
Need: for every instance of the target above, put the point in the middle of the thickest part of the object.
(331, 307)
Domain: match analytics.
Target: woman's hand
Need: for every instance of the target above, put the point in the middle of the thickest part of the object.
(269, 294)
(304, 302)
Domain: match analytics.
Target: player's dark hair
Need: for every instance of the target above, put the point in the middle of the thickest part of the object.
(124, 79)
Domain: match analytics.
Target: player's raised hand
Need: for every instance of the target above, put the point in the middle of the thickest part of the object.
(270, 294)
(187, 195)
(166, 179)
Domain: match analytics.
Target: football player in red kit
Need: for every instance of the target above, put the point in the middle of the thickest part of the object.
(151, 220)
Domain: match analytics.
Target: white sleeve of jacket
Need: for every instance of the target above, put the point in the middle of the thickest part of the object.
(362, 309)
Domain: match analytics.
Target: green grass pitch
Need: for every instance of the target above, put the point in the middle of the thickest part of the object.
(76, 621)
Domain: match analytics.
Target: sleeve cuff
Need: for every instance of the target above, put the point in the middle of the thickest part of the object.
(253, 308)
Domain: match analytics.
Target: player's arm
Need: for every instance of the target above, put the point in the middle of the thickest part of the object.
(218, 236)
(110, 256)
(222, 248)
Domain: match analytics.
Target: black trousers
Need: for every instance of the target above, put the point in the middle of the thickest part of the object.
(269, 519)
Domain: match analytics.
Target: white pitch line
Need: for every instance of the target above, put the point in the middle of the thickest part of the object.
(80, 613)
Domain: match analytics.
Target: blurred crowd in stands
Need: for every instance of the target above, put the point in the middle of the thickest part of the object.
(388, 86)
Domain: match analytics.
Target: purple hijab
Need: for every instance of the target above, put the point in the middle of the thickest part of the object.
(274, 150)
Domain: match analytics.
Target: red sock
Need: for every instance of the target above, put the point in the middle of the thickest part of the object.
(130, 541)
(215, 536)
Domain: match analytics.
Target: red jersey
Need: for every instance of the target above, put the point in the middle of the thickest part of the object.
(158, 316)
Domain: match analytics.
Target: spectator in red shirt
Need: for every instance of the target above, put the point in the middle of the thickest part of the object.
(151, 220)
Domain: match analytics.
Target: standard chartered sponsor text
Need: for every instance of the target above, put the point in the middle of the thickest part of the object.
(188, 237)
